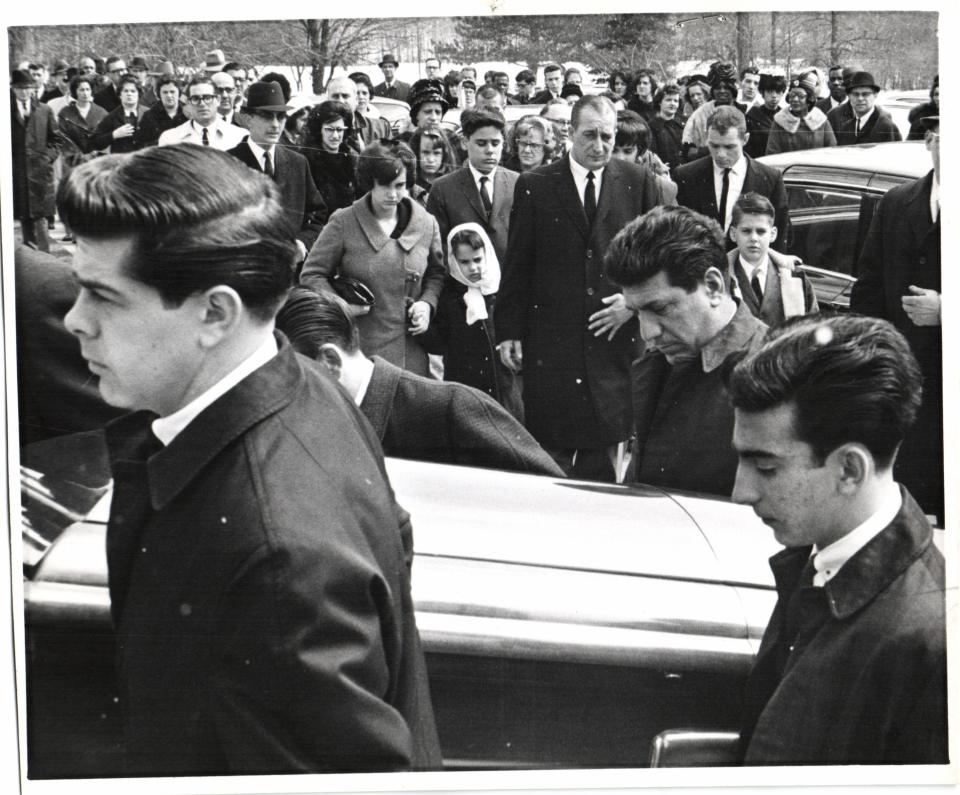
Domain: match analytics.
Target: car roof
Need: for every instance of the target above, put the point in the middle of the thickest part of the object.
(908, 159)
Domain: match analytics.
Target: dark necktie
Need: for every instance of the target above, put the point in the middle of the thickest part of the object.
(590, 198)
(267, 164)
(755, 285)
(206, 137)
(858, 129)
(485, 196)
(724, 190)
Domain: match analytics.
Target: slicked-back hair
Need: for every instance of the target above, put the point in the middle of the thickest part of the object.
(850, 379)
(681, 243)
(381, 164)
(727, 117)
(311, 319)
(751, 203)
(197, 217)
(594, 102)
(472, 120)
(199, 79)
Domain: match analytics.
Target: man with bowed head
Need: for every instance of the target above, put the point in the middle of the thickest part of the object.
(852, 667)
(559, 318)
(259, 565)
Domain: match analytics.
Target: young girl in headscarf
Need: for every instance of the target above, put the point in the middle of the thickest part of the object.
(463, 326)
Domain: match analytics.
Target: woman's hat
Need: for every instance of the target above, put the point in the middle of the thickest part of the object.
(429, 89)
(266, 96)
(772, 83)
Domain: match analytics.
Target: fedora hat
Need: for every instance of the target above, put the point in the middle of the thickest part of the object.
(214, 61)
(389, 59)
(266, 96)
(21, 78)
(862, 80)
(139, 63)
(163, 69)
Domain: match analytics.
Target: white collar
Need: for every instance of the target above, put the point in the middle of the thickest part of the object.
(829, 560)
(477, 175)
(865, 117)
(167, 428)
(365, 381)
(259, 152)
(934, 197)
(737, 169)
(580, 172)
(760, 270)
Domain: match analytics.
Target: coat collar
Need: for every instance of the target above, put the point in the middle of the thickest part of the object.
(261, 394)
(377, 403)
(737, 335)
(374, 233)
(812, 121)
(871, 570)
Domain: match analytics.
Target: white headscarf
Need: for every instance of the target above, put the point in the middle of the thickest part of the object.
(488, 284)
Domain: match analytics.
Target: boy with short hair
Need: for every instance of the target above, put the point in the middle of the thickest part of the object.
(632, 144)
(769, 282)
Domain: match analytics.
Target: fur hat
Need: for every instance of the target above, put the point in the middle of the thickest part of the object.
(429, 89)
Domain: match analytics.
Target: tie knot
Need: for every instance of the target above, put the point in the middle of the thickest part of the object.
(726, 172)
(590, 176)
(484, 180)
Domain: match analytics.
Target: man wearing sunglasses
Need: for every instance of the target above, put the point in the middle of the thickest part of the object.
(206, 127)
(108, 97)
(304, 210)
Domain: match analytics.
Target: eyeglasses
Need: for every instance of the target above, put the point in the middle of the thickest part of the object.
(224, 91)
(206, 99)
(529, 145)
(334, 130)
(121, 71)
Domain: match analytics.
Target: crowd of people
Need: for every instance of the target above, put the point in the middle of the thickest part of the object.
(570, 295)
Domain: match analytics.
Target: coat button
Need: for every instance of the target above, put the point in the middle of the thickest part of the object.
(590, 291)
(922, 260)
(589, 253)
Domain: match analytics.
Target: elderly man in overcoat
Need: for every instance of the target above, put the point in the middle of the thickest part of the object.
(35, 143)
(559, 318)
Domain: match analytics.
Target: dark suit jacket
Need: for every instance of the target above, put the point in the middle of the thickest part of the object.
(695, 190)
(576, 386)
(260, 588)
(305, 211)
(454, 199)
(58, 393)
(879, 128)
(399, 90)
(107, 97)
(903, 248)
(542, 97)
(855, 672)
(447, 423)
(102, 137)
(34, 146)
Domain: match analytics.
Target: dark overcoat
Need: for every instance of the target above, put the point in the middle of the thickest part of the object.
(448, 423)
(576, 387)
(35, 146)
(855, 672)
(103, 134)
(78, 131)
(880, 127)
(260, 589)
(902, 247)
(695, 190)
(304, 210)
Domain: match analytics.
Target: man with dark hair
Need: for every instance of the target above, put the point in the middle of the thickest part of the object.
(672, 268)
(502, 81)
(166, 114)
(431, 67)
(414, 417)
(558, 318)
(852, 667)
(712, 184)
(749, 86)
(205, 127)
(760, 117)
(491, 99)
(899, 280)
(863, 122)
(553, 82)
(304, 210)
(258, 562)
(108, 97)
(526, 87)
(838, 91)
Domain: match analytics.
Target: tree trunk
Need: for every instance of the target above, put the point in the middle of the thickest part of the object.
(835, 54)
(743, 39)
(774, 18)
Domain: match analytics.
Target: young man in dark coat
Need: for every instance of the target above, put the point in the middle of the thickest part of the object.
(861, 120)
(304, 210)
(852, 668)
(259, 565)
(559, 318)
(413, 416)
(672, 268)
(899, 280)
(35, 144)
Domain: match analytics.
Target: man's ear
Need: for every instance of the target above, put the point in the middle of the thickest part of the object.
(330, 357)
(715, 283)
(221, 311)
(746, 137)
(773, 233)
(854, 465)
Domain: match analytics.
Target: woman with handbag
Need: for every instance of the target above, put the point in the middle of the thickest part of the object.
(382, 255)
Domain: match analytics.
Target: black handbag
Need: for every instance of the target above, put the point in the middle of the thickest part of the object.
(353, 291)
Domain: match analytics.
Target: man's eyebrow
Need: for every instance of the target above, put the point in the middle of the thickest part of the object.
(94, 284)
(755, 453)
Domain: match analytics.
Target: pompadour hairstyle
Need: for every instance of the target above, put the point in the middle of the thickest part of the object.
(678, 241)
(312, 319)
(197, 216)
(850, 378)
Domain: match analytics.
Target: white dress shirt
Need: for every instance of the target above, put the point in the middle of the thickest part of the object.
(829, 560)
(864, 118)
(259, 152)
(760, 270)
(476, 179)
(580, 178)
(738, 173)
(167, 428)
(222, 135)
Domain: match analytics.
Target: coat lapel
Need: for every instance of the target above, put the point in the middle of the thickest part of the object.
(469, 188)
(608, 187)
(377, 403)
(566, 191)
